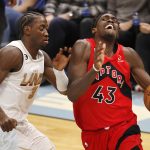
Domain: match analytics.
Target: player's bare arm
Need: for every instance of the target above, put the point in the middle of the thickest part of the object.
(15, 63)
(48, 70)
(79, 79)
(139, 73)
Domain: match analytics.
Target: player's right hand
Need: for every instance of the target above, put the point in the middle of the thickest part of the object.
(99, 55)
(62, 58)
(7, 124)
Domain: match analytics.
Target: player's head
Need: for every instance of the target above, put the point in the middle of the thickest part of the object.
(33, 27)
(106, 26)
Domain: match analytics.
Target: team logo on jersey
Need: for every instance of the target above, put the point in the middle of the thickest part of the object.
(33, 80)
(26, 56)
(120, 59)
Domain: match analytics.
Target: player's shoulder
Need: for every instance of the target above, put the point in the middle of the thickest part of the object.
(81, 43)
(11, 58)
(47, 59)
(11, 52)
(81, 46)
(44, 53)
(46, 56)
(131, 56)
(129, 52)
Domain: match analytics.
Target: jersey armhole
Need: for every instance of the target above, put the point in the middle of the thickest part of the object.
(23, 60)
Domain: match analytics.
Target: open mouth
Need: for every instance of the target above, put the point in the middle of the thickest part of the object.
(110, 26)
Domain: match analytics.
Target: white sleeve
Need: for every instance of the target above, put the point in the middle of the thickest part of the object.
(61, 80)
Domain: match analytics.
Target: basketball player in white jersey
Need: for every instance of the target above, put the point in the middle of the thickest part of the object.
(22, 66)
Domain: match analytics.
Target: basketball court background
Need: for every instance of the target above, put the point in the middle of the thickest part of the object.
(50, 103)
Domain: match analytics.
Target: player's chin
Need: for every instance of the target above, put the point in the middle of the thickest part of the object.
(109, 37)
(44, 43)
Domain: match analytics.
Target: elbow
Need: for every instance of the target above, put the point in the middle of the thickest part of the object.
(147, 98)
(147, 104)
(72, 93)
(63, 92)
(71, 96)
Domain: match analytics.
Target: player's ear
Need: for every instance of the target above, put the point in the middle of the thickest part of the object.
(94, 30)
(27, 30)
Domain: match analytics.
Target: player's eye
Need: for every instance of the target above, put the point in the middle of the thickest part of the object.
(41, 28)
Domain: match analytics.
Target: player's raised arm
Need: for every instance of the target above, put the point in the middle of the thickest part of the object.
(79, 78)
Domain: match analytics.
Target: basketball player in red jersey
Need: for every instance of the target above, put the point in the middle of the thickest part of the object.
(100, 89)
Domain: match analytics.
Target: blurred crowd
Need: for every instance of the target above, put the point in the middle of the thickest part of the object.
(69, 20)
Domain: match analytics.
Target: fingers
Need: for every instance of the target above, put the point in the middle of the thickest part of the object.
(9, 125)
(100, 49)
(66, 51)
(100, 46)
(99, 55)
(61, 51)
(69, 56)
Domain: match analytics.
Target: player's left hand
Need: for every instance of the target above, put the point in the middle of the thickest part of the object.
(62, 58)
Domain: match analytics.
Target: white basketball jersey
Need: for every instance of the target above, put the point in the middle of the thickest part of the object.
(18, 89)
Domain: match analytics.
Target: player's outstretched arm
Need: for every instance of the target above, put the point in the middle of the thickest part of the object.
(139, 74)
(54, 70)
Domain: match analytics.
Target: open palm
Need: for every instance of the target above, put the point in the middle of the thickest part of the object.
(62, 58)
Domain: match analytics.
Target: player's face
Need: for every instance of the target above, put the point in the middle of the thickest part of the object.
(39, 34)
(108, 26)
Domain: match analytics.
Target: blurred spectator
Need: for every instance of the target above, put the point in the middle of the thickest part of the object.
(143, 48)
(14, 10)
(30, 5)
(63, 30)
(134, 17)
(2, 19)
(25, 5)
(69, 20)
(88, 11)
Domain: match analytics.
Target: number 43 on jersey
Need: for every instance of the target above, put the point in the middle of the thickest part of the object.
(99, 96)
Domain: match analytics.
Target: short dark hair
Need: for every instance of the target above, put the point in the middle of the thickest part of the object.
(25, 20)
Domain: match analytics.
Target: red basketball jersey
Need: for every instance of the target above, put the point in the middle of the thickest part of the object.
(108, 100)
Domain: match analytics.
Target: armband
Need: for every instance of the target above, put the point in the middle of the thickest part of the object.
(61, 80)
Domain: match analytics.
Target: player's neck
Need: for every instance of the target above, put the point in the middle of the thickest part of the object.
(109, 46)
(32, 49)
